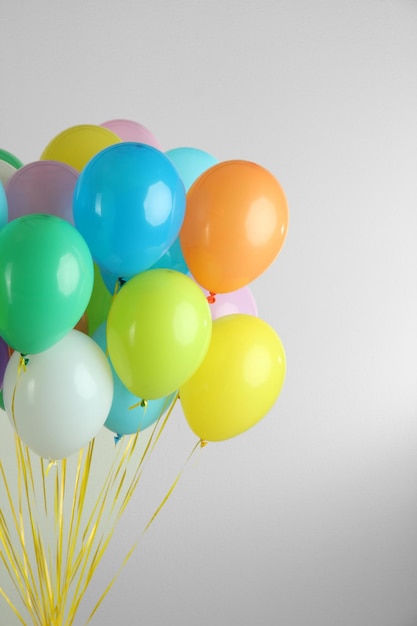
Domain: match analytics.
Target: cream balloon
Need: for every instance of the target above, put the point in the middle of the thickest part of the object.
(59, 400)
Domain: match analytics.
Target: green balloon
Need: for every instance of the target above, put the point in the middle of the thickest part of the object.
(46, 280)
(10, 158)
(158, 332)
(99, 305)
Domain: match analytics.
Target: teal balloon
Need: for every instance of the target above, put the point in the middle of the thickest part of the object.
(4, 210)
(122, 419)
(46, 280)
(173, 259)
(190, 163)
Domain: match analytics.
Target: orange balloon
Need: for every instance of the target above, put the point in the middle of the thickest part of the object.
(235, 224)
(82, 324)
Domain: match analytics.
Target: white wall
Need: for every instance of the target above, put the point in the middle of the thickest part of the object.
(309, 519)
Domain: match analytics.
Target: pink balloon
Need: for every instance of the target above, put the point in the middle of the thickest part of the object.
(239, 301)
(42, 187)
(129, 130)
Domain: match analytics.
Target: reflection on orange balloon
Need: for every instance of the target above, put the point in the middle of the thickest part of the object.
(235, 225)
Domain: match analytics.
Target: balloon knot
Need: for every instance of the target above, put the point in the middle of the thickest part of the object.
(117, 439)
(52, 463)
(211, 298)
(144, 403)
(203, 443)
(121, 281)
(23, 362)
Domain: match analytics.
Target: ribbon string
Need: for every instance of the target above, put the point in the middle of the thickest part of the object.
(52, 539)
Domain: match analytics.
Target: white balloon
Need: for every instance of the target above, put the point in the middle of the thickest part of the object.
(62, 397)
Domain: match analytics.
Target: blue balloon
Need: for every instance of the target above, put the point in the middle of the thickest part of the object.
(129, 205)
(112, 282)
(190, 163)
(123, 420)
(4, 209)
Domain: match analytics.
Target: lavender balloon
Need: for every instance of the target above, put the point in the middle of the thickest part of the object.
(4, 359)
(42, 187)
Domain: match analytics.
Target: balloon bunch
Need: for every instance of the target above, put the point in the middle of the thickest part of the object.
(124, 286)
(159, 249)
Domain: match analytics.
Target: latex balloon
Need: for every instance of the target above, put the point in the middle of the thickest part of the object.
(82, 324)
(235, 225)
(190, 163)
(129, 205)
(46, 280)
(76, 145)
(6, 172)
(129, 130)
(9, 163)
(173, 259)
(10, 158)
(112, 282)
(128, 414)
(240, 301)
(4, 210)
(4, 359)
(239, 380)
(42, 187)
(158, 332)
(60, 400)
(99, 304)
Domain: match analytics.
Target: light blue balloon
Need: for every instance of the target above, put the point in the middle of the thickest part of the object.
(123, 420)
(129, 205)
(4, 210)
(190, 163)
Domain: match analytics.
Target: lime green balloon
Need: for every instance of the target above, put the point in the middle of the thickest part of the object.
(158, 332)
(99, 305)
(46, 279)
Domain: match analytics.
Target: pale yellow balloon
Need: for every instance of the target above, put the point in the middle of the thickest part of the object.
(238, 381)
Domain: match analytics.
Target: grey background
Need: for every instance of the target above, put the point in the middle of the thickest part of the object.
(309, 519)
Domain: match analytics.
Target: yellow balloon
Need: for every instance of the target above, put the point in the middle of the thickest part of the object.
(76, 145)
(238, 381)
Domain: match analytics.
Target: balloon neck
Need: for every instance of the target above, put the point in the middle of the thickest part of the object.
(52, 463)
(211, 298)
(118, 285)
(203, 443)
(117, 439)
(143, 403)
(23, 362)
